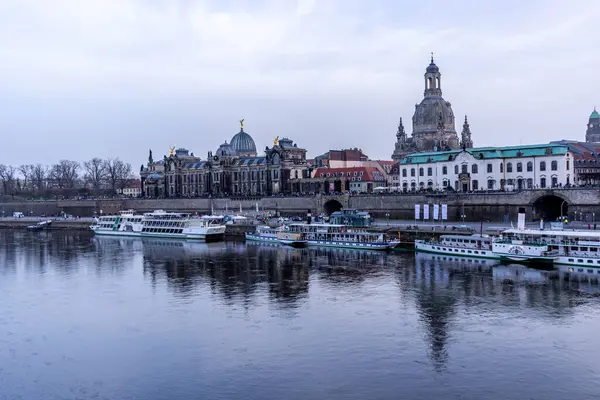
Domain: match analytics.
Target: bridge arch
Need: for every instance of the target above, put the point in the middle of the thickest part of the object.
(332, 206)
(551, 206)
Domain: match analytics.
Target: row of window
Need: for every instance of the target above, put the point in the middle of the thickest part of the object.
(340, 174)
(490, 168)
(244, 175)
(491, 183)
(161, 230)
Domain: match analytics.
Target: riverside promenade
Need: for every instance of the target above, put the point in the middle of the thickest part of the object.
(580, 203)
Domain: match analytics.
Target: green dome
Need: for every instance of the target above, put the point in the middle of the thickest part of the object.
(595, 114)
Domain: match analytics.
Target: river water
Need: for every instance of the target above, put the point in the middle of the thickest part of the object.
(93, 318)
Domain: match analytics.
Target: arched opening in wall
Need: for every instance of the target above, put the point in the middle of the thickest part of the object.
(550, 207)
(332, 206)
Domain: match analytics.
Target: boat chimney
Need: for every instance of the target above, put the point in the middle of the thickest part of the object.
(521, 219)
(308, 217)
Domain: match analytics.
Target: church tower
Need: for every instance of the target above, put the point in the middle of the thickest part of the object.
(465, 136)
(592, 134)
(433, 80)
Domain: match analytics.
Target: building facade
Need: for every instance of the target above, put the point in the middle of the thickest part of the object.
(488, 168)
(433, 122)
(347, 180)
(234, 169)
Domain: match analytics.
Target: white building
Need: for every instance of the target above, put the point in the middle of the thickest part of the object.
(489, 168)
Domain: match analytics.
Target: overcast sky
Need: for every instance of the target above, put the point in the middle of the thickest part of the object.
(112, 78)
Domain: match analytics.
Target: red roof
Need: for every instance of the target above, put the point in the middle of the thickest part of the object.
(369, 174)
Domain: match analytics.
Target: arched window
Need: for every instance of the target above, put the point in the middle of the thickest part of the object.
(554, 165)
(444, 170)
(529, 166)
(519, 167)
(456, 169)
(437, 82)
(429, 83)
(404, 172)
(508, 167)
(543, 168)
(475, 184)
(421, 171)
(529, 183)
(465, 168)
(474, 169)
(501, 168)
(429, 171)
(568, 164)
(412, 172)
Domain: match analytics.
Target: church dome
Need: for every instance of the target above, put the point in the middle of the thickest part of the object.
(427, 115)
(432, 68)
(243, 143)
(595, 114)
(225, 150)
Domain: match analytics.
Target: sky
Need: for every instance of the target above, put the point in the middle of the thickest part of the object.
(115, 78)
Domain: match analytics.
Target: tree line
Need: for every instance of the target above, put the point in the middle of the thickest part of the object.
(66, 178)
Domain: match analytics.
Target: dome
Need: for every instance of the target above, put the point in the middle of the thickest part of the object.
(427, 115)
(595, 114)
(225, 150)
(432, 68)
(243, 143)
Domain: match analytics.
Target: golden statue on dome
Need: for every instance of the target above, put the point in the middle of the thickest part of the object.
(242, 124)
(172, 152)
(276, 141)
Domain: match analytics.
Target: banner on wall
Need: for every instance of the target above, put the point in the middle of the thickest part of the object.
(444, 211)
(417, 211)
(425, 211)
(436, 211)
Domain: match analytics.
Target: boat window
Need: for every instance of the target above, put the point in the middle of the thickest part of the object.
(574, 248)
(571, 260)
(584, 249)
(580, 260)
(580, 270)
(590, 261)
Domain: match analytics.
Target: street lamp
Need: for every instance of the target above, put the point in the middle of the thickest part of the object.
(561, 209)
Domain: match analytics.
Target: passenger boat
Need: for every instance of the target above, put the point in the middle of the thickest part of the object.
(277, 235)
(337, 235)
(575, 248)
(521, 245)
(479, 246)
(159, 224)
(264, 233)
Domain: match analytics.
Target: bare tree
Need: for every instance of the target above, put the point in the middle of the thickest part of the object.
(38, 176)
(26, 171)
(65, 173)
(118, 173)
(95, 173)
(7, 176)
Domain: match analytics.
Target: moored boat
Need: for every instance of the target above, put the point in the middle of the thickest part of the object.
(159, 224)
(477, 245)
(336, 235)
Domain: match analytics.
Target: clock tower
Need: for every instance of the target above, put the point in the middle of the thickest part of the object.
(592, 134)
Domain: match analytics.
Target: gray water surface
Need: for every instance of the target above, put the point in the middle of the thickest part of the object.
(93, 318)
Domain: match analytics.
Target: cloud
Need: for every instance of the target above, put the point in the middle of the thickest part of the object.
(351, 68)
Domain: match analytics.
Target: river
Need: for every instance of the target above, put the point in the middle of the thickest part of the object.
(92, 318)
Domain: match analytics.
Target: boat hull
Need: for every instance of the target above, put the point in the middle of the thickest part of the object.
(210, 237)
(352, 245)
(294, 243)
(435, 248)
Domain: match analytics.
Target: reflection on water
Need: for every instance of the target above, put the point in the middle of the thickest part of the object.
(88, 316)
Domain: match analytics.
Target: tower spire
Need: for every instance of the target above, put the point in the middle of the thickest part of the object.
(465, 135)
(400, 133)
(432, 57)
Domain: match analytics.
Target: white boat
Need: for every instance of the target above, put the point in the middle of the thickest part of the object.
(479, 246)
(264, 233)
(277, 235)
(159, 224)
(522, 245)
(343, 236)
(575, 248)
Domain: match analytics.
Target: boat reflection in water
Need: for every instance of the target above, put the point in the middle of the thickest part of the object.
(580, 279)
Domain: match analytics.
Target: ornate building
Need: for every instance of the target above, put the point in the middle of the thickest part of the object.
(592, 134)
(234, 169)
(433, 121)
